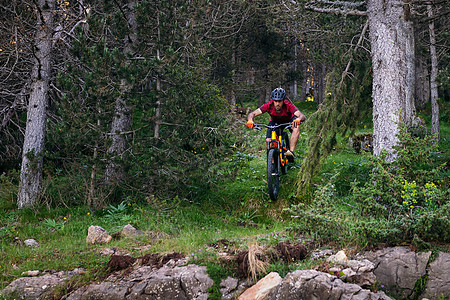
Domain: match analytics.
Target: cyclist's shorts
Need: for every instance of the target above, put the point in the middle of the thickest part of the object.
(271, 123)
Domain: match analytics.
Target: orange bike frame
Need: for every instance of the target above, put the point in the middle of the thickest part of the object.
(277, 142)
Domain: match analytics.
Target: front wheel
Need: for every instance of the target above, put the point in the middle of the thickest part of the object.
(273, 176)
(285, 144)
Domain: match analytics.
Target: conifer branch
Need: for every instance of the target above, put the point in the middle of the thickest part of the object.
(361, 38)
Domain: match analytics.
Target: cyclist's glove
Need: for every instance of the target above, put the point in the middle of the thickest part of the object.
(296, 123)
(250, 124)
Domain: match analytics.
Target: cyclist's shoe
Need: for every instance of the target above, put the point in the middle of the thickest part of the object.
(290, 155)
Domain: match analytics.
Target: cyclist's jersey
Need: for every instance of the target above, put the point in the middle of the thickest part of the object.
(284, 116)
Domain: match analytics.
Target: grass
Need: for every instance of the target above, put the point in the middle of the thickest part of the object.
(239, 197)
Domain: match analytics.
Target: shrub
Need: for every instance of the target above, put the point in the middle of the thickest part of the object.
(320, 218)
(409, 194)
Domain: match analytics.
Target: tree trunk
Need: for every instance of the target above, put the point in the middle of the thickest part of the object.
(115, 172)
(158, 113)
(233, 76)
(434, 71)
(409, 104)
(32, 163)
(389, 39)
(422, 82)
(294, 87)
(319, 83)
(305, 79)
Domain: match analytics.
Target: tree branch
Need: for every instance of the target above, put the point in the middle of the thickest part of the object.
(343, 7)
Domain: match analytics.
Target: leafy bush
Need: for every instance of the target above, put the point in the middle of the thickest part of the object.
(8, 189)
(119, 214)
(389, 202)
(408, 197)
(320, 218)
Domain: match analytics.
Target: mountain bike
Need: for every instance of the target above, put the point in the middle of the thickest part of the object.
(276, 158)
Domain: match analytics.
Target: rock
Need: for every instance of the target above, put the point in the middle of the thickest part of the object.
(31, 243)
(129, 231)
(312, 284)
(34, 287)
(338, 258)
(97, 235)
(262, 288)
(231, 287)
(103, 290)
(31, 273)
(360, 272)
(319, 254)
(438, 284)
(399, 268)
(168, 282)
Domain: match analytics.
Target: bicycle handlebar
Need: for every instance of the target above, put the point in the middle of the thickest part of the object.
(259, 126)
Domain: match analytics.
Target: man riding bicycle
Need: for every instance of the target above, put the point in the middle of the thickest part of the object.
(281, 111)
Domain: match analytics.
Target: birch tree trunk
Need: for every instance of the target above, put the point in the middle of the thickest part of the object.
(31, 170)
(114, 172)
(434, 71)
(391, 91)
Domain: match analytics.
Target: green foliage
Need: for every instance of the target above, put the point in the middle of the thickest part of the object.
(365, 200)
(196, 131)
(410, 194)
(320, 218)
(8, 189)
(339, 115)
(217, 272)
(119, 214)
(52, 224)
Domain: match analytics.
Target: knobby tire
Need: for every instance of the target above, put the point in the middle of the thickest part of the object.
(273, 177)
(286, 144)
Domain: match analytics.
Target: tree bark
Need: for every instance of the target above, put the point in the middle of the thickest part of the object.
(32, 163)
(306, 77)
(422, 83)
(409, 104)
(391, 94)
(158, 113)
(233, 75)
(434, 71)
(319, 82)
(115, 172)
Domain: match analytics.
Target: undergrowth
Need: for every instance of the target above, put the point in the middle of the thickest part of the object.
(356, 200)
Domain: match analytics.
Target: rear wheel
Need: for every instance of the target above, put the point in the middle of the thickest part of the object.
(273, 177)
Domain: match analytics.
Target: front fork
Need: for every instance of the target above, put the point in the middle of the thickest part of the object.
(277, 144)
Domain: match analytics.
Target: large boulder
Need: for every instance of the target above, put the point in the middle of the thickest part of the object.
(438, 284)
(36, 287)
(262, 288)
(312, 284)
(399, 268)
(168, 282)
